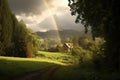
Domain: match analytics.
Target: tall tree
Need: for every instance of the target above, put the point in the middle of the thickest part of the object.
(33, 43)
(6, 28)
(15, 38)
(103, 18)
(20, 39)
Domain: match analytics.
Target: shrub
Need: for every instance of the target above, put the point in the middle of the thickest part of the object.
(77, 50)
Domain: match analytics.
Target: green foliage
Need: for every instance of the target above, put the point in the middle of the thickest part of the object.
(103, 18)
(33, 40)
(14, 36)
(84, 41)
(27, 43)
(53, 49)
(20, 39)
(63, 58)
(89, 51)
(6, 28)
(84, 73)
(0, 30)
(60, 48)
(92, 13)
(77, 50)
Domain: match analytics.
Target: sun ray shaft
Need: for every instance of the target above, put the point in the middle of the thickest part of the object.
(53, 20)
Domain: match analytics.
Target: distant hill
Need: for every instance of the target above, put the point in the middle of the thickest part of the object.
(54, 33)
(62, 33)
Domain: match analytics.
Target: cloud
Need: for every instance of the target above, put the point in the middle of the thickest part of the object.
(27, 6)
(64, 22)
(67, 22)
(46, 24)
(37, 15)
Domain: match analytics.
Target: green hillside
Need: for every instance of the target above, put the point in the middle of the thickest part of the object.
(10, 66)
(63, 34)
(18, 66)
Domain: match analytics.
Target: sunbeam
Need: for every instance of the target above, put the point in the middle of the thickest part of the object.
(53, 20)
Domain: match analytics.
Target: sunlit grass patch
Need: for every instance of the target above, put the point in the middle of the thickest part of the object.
(10, 66)
(63, 58)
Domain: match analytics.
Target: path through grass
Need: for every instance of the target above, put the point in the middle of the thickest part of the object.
(10, 66)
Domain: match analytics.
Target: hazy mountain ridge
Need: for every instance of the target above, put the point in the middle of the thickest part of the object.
(62, 33)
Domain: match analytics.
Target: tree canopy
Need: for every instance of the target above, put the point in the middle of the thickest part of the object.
(93, 13)
(14, 35)
(103, 18)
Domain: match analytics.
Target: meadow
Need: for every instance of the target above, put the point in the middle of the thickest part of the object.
(69, 69)
(11, 66)
(63, 58)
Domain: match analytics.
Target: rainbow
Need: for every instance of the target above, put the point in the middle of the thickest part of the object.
(53, 20)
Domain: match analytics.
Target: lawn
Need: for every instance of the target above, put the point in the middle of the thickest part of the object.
(79, 72)
(10, 66)
(63, 58)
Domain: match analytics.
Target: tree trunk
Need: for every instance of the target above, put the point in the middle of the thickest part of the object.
(29, 51)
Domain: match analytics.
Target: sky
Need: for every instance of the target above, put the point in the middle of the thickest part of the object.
(43, 15)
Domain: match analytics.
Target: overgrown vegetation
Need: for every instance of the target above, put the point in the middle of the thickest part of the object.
(84, 73)
(90, 59)
(59, 57)
(103, 19)
(15, 38)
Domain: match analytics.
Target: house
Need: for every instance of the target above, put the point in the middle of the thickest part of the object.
(68, 47)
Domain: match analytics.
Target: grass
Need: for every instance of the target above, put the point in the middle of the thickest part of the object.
(85, 71)
(63, 58)
(73, 72)
(10, 66)
(77, 72)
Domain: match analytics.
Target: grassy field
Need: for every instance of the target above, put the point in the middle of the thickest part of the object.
(79, 72)
(58, 57)
(11, 66)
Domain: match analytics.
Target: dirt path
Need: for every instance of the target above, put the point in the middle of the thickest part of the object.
(43, 74)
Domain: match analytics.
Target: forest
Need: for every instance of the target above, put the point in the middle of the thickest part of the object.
(67, 54)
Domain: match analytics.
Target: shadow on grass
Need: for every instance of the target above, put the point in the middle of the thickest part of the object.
(10, 67)
(84, 72)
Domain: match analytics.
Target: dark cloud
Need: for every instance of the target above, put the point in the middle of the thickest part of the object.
(67, 22)
(40, 18)
(64, 22)
(47, 24)
(27, 6)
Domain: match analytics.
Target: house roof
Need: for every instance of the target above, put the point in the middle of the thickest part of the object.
(69, 45)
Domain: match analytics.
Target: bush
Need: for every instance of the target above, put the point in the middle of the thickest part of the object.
(2, 53)
(77, 50)
(53, 49)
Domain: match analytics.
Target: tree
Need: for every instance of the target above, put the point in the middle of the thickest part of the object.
(6, 28)
(83, 41)
(75, 41)
(103, 18)
(33, 43)
(20, 39)
(15, 38)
